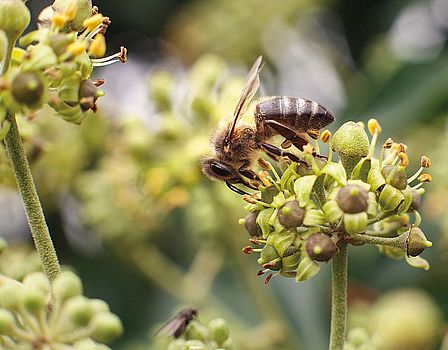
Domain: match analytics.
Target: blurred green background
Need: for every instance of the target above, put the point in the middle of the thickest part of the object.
(131, 212)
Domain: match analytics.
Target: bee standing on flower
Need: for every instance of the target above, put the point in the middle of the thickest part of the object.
(236, 144)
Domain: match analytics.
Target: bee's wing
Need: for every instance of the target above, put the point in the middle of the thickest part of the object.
(170, 327)
(250, 88)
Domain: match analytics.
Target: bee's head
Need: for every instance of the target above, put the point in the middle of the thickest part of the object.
(217, 170)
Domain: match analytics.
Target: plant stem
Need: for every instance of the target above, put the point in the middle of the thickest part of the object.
(30, 199)
(339, 299)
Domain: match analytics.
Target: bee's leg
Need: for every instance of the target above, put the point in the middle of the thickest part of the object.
(250, 174)
(289, 134)
(236, 189)
(272, 150)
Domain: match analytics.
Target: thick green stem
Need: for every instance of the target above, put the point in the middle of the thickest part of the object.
(339, 299)
(31, 203)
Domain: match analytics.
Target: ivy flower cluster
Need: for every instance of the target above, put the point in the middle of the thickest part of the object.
(216, 335)
(54, 63)
(306, 210)
(35, 315)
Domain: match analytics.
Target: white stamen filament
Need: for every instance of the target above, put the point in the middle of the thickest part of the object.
(416, 175)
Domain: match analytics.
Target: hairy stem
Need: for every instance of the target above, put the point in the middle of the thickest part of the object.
(30, 199)
(339, 299)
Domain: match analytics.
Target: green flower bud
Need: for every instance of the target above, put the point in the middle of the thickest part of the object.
(417, 242)
(390, 198)
(351, 144)
(219, 330)
(106, 327)
(177, 344)
(352, 199)
(291, 215)
(268, 194)
(358, 336)
(355, 223)
(395, 176)
(37, 280)
(14, 18)
(7, 322)
(161, 85)
(11, 295)
(78, 310)
(250, 223)
(98, 305)
(29, 89)
(83, 11)
(194, 345)
(33, 299)
(320, 247)
(67, 285)
(196, 330)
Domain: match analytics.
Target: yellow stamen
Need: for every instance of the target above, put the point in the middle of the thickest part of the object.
(93, 22)
(425, 162)
(71, 10)
(325, 136)
(388, 144)
(373, 126)
(425, 178)
(59, 20)
(249, 199)
(263, 177)
(264, 164)
(76, 48)
(97, 47)
(404, 159)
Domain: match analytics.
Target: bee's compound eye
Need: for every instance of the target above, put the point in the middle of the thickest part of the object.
(221, 170)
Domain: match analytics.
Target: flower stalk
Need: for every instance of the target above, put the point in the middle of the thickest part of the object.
(339, 299)
(31, 202)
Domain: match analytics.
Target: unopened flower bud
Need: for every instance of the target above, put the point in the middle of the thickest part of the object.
(33, 299)
(82, 8)
(79, 311)
(250, 223)
(417, 242)
(177, 344)
(196, 330)
(106, 327)
(352, 199)
(194, 345)
(396, 176)
(37, 280)
(67, 285)
(14, 18)
(10, 295)
(291, 214)
(98, 305)
(351, 144)
(219, 330)
(28, 89)
(320, 247)
(7, 322)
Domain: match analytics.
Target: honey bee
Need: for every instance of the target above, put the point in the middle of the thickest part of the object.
(177, 325)
(236, 144)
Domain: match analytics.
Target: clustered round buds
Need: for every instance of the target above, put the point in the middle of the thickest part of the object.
(53, 64)
(305, 212)
(32, 312)
(197, 336)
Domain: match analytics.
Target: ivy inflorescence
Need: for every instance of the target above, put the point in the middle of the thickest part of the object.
(304, 212)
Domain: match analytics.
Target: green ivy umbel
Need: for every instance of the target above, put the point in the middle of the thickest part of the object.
(310, 212)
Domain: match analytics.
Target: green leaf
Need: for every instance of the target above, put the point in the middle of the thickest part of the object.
(332, 211)
(303, 187)
(417, 262)
(406, 204)
(263, 221)
(361, 170)
(314, 217)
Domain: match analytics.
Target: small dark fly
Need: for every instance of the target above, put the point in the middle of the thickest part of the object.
(177, 325)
